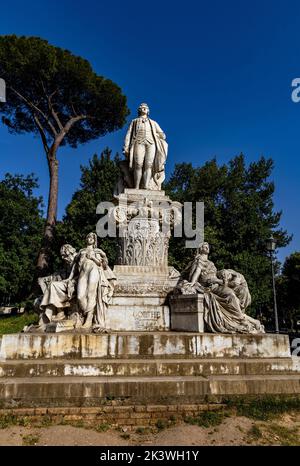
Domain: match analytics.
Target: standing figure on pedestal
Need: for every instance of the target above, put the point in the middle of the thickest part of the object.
(95, 284)
(146, 151)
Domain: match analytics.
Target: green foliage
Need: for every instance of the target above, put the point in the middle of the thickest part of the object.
(141, 430)
(239, 217)
(102, 427)
(207, 419)
(255, 433)
(30, 439)
(21, 227)
(265, 407)
(15, 324)
(98, 181)
(286, 436)
(58, 96)
(46, 420)
(288, 286)
(291, 270)
(160, 424)
(8, 420)
(54, 85)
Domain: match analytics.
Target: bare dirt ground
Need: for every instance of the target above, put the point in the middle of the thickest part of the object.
(284, 430)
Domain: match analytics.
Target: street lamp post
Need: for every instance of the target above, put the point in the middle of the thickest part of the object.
(271, 246)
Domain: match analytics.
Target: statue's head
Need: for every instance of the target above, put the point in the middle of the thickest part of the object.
(91, 239)
(143, 109)
(203, 248)
(67, 253)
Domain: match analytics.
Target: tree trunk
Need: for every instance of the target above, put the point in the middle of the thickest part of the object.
(46, 247)
(45, 251)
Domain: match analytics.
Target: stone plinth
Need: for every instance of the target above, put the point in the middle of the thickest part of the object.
(144, 280)
(140, 300)
(187, 313)
(142, 344)
(60, 326)
(140, 313)
(144, 220)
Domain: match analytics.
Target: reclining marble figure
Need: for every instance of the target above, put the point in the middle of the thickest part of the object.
(225, 295)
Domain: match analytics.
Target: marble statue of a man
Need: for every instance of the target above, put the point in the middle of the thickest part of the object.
(146, 150)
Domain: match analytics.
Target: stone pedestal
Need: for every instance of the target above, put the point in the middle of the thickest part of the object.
(140, 313)
(61, 326)
(187, 313)
(144, 280)
(74, 346)
(144, 219)
(140, 300)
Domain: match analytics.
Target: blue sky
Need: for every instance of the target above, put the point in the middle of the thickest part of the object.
(216, 74)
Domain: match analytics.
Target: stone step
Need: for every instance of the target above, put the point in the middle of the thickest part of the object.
(148, 367)
(83, 391)
(127, 345)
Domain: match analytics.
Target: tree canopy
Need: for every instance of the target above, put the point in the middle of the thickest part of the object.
(239, 218)
(288, 288)
(49, 90)
(97, 184)
(21, 227)
(58, 96)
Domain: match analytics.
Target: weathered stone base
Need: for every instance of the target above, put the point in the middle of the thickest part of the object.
(139, 313)
(187, 313)
(147, 367)
(61, 326)
(144, 280)
(140, 301)
(78, 391)
(141, 344)
(159, 368)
